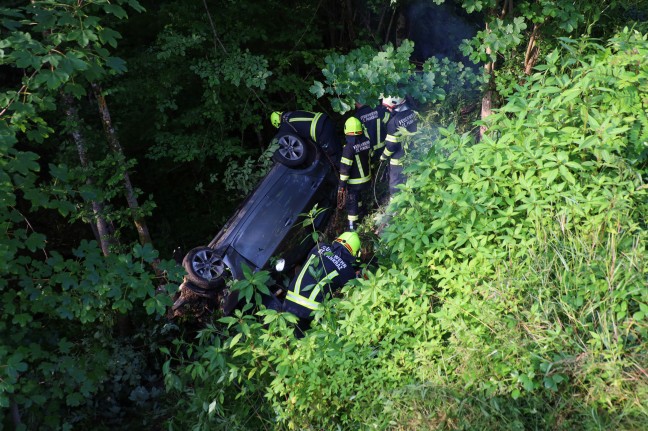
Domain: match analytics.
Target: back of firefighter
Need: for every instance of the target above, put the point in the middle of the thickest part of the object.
(327, 269)
(315, 126)
(374, 121)
(355, 169)
(401, 118)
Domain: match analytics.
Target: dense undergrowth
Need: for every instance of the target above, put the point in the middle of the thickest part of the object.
(511, 292)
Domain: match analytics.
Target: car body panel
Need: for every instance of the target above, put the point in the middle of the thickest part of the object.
(268, 220)
(259, 236)
(268, 225)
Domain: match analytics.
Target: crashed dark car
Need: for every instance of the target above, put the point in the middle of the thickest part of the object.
(267, 227)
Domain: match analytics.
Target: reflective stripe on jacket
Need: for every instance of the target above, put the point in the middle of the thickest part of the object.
(375, 122)
(309, 302)
(355, 166)
(399, 120)
(327, 269)
(305, 123)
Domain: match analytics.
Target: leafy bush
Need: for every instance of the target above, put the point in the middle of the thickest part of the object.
(366, 73)
(67, 360)
(58, 318)
(512, 287)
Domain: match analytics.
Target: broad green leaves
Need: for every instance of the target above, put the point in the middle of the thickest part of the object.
(60, 301)
(365, 74)
(236, 68)
(500, 37)
(252, 285)
(83, 293)
(516, 222)
(512, 274)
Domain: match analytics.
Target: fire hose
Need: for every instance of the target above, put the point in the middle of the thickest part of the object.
(378, 178)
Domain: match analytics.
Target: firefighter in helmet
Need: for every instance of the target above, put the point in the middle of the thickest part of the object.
(401, 119)
(328, 268)
(355, 169)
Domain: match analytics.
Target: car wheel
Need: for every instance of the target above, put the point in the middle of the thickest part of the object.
(292, 150)
(204, 267)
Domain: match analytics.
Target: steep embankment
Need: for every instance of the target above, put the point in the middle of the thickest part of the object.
(512, 288)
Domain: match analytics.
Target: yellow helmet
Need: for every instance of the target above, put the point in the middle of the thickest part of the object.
(353, 126)
(351, 241)
(275, 118)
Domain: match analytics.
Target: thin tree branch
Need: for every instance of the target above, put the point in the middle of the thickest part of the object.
(306, 28)
(211, 22)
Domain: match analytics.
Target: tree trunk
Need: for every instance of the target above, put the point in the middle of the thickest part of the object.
(260, 141)
(532, 51)
(389, 27)
(487, 99)
(113, 142)
(15, 414)
(486, 109)
(100, 226)
(124, 325)
(401, 27)
(376, 34)
(489, 68)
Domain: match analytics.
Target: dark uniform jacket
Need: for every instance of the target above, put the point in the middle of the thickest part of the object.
(375, 122)
(355, 166)
(403, 119)
(327, 269)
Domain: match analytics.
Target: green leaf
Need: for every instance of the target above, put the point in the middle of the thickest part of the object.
(26, 162)
(116, 10)
(76, 62)
(74, 399)
(79, 36)
(25, 59)
(229, 321)
(564, 172)
(116, 64)
(145, 252)
(317, 89)
(109, 36)
(22, 319)
(235, 340)
(59, 171)
(35, 241)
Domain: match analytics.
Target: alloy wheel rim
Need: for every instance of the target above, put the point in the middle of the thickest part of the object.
(207, 264)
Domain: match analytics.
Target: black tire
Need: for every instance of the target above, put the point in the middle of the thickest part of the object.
(204, 268)
(292, 150)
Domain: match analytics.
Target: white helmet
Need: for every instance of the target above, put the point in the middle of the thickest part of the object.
(392, 101)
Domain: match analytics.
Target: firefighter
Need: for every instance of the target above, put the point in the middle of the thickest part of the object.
(374, 121)
(401, 118)
(328, 268)
(355, 169)
(315, 126)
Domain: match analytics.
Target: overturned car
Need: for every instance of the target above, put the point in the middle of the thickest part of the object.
(267, 226)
